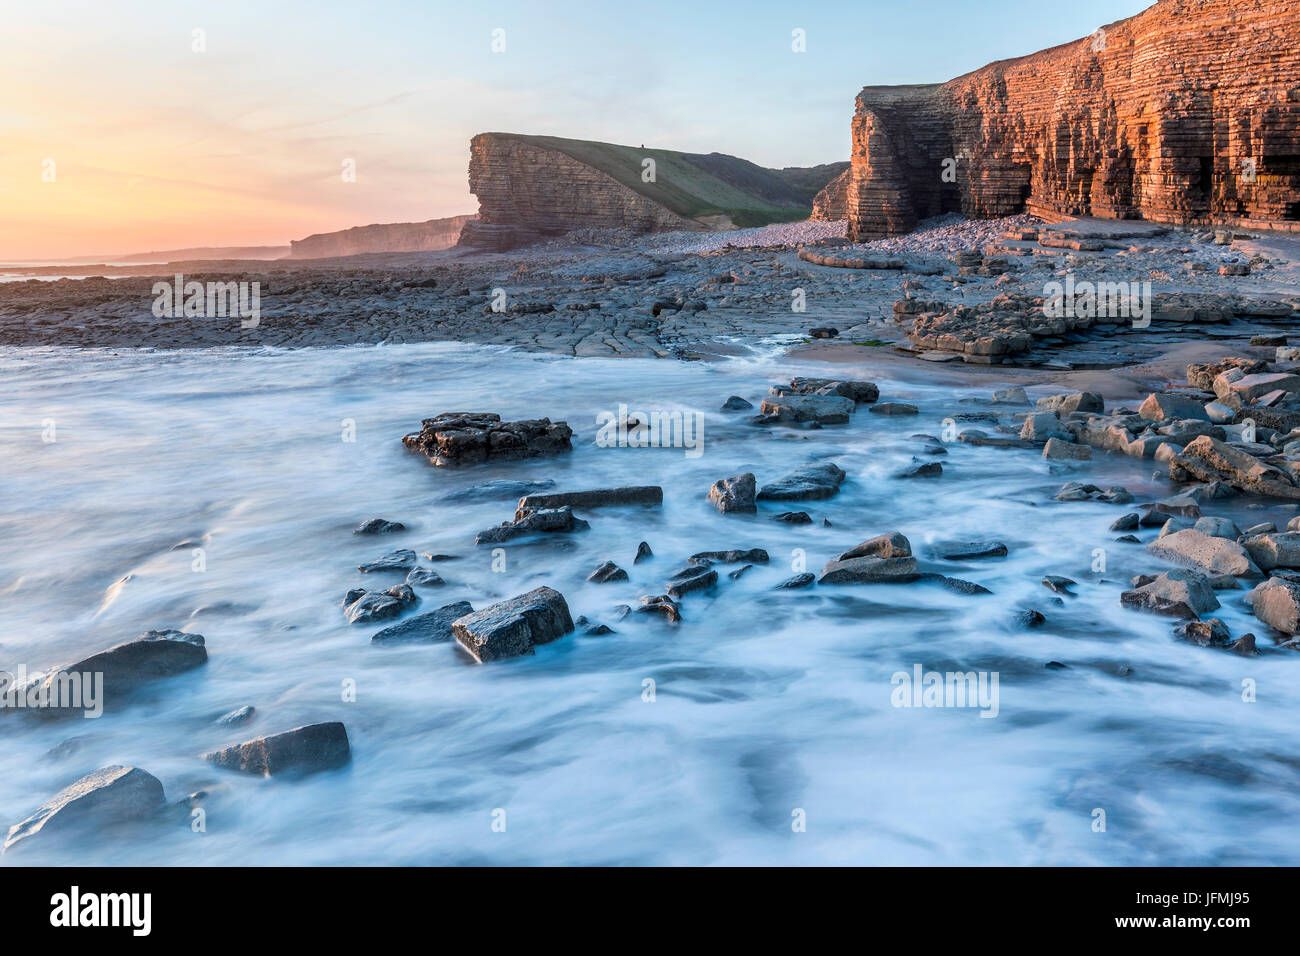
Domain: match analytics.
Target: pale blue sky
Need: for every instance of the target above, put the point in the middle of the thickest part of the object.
(160, 146)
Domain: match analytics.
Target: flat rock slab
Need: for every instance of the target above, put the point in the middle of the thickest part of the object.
(967, 550)
(596, 498)
(151, 656)
(811, 482)
(870, 570)
(548, 520)
(106, 797)
(860, 391)
(824, 409)
(514, 627)
(430, 627)
(500, 490)
(302, 750)
(1204, 552)
(471, 438)
(400, 560)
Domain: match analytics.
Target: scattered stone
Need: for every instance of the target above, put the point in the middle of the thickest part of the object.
(891, 544)
(968, 550)
(1180, 592)
(1270, 551)
(860, 392)
(1030, 618)
(379, 526)
(793, 517)
(599, 630)
(361, 606)
(894, 408)
(549, 521)
(692, 579)
(736, 404)
(109, 796)
(643, 553)
(302, 750)
(238, 716)
(798, 581)
(500, 490)
(811, 482)
(1015, 395)
(1245, 646)
(514, 627)
(606, 572)
(400, 560)
(649, 495)
(1127, 523)
(1208, 459)
(1075, 491)
(1209, 554)
(1166, 407)
(1061, 585)
(150, 656)
(753, 555)
(429, 628)
(1210, 633)
(1058, 450)
(663, 606)
(1069, 402)
(470, 438)
(734, 494)
(930, 469)
(1276, 602)
(866, 570)
(424, 578)
(794, 407)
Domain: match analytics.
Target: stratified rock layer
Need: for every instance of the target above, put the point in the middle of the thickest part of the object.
(428, 236)
(1187, 113)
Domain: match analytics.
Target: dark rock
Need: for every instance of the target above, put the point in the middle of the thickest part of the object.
(957, 584)
(1245, 646)
(798, 581)
(1129, 539)
(238, 716)
(1059, 584)
(1056, 666)
(430, 556)
(151, 656)
(599, 630)
(753, 555)
(361, 606)
(470, 438)
(662, 605)
(1211, 633)
(868, 570)
(643, 553)
(514, 627)
(859, 391)
(430, 627)
(793, 517)
(302, 750)
(736, 404)
(1129, 522)
(555, 521)
(968, 550)
(734, 494)
(930, 469)
(810, 482)
(107, 797)
(891, 544)
(596, 498)
(1075, 491)
(1029, 618)
(379, 526)
(1180, 592)
(823, 333)
(424, 578)
(400, 560)
(606, 572)
(695, 579)
(739, 572)
(793, 407)
(894, 408)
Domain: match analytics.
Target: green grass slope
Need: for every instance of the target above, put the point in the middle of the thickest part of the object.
(702, 184)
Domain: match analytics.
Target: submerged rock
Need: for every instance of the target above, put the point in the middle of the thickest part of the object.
(793, 407)
(661, 605)
(109, 796)
(692, 579)
(379, 526)
(894, 408)
(811, 482)
(470, 438)
(736, 404)
(753, 556)
(968, 550)
(929, 469)
(514, 627)
(868, 570)
(548, 521)
(430, 627)
(499, 490)
(797, 581)
(302, 750)
(240, 715)
(607, 571)
(400, 560)
(361, 606)
(643, 553)
(596, 498)
(424, 578)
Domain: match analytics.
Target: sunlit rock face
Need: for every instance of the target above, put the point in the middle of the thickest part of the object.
(1188, 113)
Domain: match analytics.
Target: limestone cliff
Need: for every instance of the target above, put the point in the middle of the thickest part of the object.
(428, 236)
(1186, 113)
(534, 186)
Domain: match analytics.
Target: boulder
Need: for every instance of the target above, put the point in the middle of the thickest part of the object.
(867, 570)
(607, 571)
(469, 438)
(1211, 633)
(1058, 450)
(1276, 602)
(1209, 554)
(813, 481)
(1181, 592)
(1274, 550)
(861, 392)
(888, 545)
(734, 556)
(1208, 459)
(1219, 528)
(514, 627)
(424, 578)
(735, 494)
(929, 469)
(824, 409)
(300, 751)
(361, 606)
(109, 796)
(1166, 407)
(643, 553)
(691, 579)
(428, 628)
(546, 520)
(400, 560)
(801, 580)
(967, 550)
(736, 404)
(1044, 425)
(1250, 387)
(895, 408)
(1068, 402)
(379, 526)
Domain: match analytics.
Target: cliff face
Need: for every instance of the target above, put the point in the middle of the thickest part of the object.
(526, 191)
(428, 236)
(534, 186)
(1187, 113)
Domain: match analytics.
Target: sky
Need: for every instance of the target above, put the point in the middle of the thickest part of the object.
(124, 130)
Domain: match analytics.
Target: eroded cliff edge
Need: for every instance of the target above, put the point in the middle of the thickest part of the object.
(1187, 113)
(430, 236)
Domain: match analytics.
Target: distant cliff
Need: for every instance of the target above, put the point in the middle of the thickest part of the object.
(428, 236)
(534, 186)
(1187, 113)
